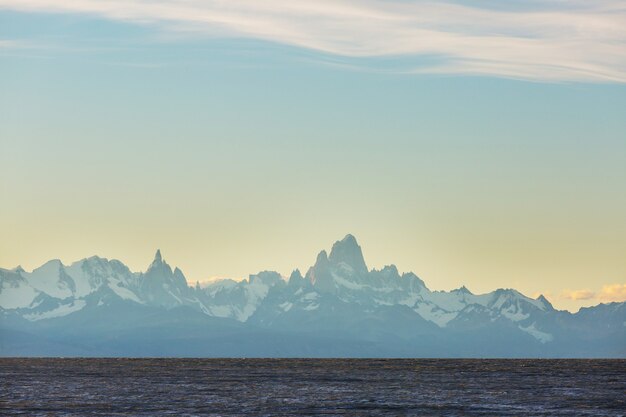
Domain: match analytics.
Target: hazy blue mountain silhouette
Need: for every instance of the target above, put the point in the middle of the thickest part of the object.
(98, 307)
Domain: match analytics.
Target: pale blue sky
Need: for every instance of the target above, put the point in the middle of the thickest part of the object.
(237, 153)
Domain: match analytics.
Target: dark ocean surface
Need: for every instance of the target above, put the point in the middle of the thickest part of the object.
(352, 387)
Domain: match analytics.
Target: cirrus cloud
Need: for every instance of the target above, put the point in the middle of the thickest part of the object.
(545, 40)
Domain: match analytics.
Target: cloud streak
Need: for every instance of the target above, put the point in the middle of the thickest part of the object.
(545, 40)
(608, 293)
(577, 295)
(611, 293)
(13, 44)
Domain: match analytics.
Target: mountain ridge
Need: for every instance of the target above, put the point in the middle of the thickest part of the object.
(337, 299)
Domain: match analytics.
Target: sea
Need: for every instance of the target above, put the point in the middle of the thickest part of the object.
(306, 387)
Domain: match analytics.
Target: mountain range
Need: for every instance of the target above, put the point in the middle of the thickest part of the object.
(339, 308)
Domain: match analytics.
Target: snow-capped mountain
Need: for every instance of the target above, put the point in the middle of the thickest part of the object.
(339, 301)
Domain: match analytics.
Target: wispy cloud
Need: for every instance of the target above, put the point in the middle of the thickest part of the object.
(544, 40)
(614, 292)
(608, 293)
(140, 65)
(13, 44)
(578, 295)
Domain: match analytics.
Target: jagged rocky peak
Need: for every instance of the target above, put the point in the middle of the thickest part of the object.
(319, 275)
(265, 277)
(390, 269)
(157, 257)
(388, 272)
(321, 266)
(160, 271)
(463, 290)
(92, 263)
(348, 252)
(159, 263)
(296, 278)
(322, 259)
(545, 302)
(160, 286)
(179, 277)
(51, 265)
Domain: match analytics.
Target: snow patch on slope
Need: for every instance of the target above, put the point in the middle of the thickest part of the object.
(60, 311)
(121, 291)
(514, 314)
(543, 337)
(256, 291)
(81, 280)
(435, 314)
(346, 283)
(286, 306)
(46, 279)
(17, 297)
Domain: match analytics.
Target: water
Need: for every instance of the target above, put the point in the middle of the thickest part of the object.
(347, 387)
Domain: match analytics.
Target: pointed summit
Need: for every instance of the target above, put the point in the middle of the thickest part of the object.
(463, 290)
(295, 278)
(296, 274)
(547, 304)
(158, 262)
(320, 276)
(322, 258)
(348, 252)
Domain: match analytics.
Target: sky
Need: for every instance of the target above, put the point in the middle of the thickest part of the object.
(474, 143)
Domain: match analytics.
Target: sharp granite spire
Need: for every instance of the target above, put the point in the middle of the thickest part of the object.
(348, 252)
(158, 261)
